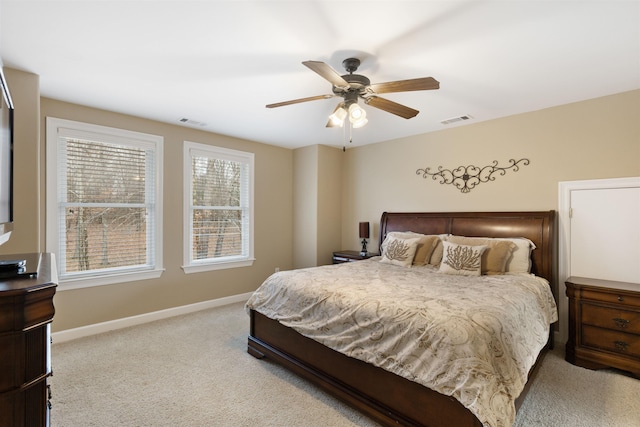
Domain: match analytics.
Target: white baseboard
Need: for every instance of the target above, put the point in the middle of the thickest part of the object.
(98, 328)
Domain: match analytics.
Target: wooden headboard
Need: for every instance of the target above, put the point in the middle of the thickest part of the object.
(539, 227)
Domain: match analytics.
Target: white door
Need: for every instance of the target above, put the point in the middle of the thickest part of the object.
(605, 234)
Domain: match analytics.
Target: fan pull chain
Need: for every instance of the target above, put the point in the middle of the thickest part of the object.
(344, 136)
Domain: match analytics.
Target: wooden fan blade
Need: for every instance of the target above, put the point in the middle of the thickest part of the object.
(297, 101)
(392, 107)
(424, 83)
(326, 72)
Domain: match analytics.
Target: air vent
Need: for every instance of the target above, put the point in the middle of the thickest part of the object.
(456, 119)
(192, 122)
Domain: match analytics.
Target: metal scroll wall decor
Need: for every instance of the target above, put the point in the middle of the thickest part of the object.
(465, 178)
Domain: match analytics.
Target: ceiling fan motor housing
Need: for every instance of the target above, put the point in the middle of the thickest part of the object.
(357, 84)
(351, 64)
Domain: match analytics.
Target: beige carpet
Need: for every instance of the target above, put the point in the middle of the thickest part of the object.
(194, 370)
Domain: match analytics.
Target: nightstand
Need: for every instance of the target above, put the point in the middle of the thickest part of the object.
(349, 256)
(604, 324)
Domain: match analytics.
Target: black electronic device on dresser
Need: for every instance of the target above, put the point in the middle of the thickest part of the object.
(349, 256)
(26, 312)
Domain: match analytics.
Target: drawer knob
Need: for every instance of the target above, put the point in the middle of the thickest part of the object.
(621, 345)
(620, 298)
(621, 323)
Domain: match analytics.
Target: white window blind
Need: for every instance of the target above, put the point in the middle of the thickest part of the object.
(218, 207)
(107, 207)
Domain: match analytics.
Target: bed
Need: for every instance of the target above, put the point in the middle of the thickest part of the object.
(382, 388)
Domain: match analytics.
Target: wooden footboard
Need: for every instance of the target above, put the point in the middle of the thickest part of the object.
(385, 397)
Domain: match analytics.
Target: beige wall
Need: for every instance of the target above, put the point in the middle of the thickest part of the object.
(594, 139)
(305, 190)
(317, 204)
(329, 222)
(74, 308)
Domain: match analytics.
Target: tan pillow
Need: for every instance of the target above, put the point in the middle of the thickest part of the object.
(461, 260)
(399, 251)
(425, 248)
(436, 256)
(520, 261)
(495, 257)
(426, 245)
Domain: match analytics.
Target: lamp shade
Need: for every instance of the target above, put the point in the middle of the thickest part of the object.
(356, 113)
(357, 116)
(338, 116)
(364, 230)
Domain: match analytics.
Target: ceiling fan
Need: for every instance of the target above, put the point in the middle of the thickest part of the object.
(352, 87)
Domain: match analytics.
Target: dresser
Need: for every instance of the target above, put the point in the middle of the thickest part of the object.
(26, 311)
(604, 324)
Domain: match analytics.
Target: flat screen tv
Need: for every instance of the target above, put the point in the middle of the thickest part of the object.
(6, 161)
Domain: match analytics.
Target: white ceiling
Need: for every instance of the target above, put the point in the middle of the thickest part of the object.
(219, 63)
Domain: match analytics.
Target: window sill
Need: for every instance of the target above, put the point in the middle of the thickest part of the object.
(199, 268)
(111, 279)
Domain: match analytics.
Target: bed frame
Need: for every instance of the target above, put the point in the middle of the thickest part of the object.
(390, 399)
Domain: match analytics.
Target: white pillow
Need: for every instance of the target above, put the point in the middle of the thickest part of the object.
(399, 251)
(461, 260)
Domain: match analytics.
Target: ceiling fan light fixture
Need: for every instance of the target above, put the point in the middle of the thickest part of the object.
(357, 116)
(356, 113)
(338, 117)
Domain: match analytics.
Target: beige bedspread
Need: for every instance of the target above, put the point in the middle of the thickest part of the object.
(473, 338)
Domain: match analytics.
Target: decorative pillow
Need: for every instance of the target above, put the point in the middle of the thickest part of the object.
(520, 259)
(436, 256)
(494, 259)
(426, 245)
(399, 251)
(461, 260)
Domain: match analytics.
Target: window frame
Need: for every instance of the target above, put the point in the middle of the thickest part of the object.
(107, 134)
(195, 266)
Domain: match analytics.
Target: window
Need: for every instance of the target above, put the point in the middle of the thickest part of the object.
(104, 205)
(218, 208)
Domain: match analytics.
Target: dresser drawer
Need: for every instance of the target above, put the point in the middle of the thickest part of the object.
(612, 296)
(611, 318)
(605, 339)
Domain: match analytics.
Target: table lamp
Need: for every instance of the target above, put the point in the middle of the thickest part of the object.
(364, 235)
